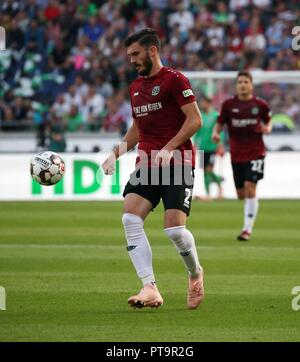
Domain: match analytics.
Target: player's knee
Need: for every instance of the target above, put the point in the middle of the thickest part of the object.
(240, 194)
(250, 193)
(178, 235)
(129, 219)
(133, 225)
(175, 233)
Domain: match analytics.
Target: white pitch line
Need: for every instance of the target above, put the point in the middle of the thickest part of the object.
(58, 246)
(167, 246)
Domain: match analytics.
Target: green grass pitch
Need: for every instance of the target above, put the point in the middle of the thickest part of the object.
(67, 274)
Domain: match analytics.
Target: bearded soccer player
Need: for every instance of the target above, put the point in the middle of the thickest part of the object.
(165, 116)
(247, 118)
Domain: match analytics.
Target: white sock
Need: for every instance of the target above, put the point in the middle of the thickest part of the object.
(250, 212)
(185, 244)
(138, 247)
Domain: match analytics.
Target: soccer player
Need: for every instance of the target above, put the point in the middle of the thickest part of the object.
(203, 141)
(165, 116)
(247, 118)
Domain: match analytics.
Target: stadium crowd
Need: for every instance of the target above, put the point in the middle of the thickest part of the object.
(65, 61)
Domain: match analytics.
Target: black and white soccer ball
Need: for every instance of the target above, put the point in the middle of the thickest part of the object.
(47, 168)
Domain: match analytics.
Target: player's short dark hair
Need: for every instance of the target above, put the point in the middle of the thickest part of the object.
(146, 37)
(244, 73)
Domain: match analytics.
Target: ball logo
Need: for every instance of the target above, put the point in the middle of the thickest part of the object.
(2, 38)
(42, 162)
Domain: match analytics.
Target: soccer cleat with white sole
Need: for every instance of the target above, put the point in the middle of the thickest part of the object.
(196, 291)
(149, 296)
(244, 236)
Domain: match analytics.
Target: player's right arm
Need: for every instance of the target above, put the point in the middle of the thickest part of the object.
(216, 137)
(129, 141)
(266, 125)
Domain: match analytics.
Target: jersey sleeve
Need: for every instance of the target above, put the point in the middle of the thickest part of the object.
(266, 113)
(181, 89)
(223, 116)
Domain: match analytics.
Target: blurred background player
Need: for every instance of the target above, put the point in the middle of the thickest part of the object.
(165, 117)
(203, 142)
(247, 118)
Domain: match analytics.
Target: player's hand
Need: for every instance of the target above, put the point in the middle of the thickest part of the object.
(265, 128)
(109, 165)
(216, 137)
(163, 157)
(220, 150)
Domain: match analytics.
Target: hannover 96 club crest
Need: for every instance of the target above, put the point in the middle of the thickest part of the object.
(155, 90)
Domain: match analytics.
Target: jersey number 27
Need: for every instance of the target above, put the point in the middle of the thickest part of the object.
(257, 165)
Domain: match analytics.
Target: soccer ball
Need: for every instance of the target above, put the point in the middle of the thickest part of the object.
(47, 168)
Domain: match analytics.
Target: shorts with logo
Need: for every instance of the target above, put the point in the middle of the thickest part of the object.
(173, 184)
(252, 171)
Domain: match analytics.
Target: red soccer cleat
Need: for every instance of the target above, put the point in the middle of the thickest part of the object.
(244, 236)
(196, 291)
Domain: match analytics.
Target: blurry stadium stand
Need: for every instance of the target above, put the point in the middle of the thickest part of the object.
(277, 87)
(18, 142)
(76, 142)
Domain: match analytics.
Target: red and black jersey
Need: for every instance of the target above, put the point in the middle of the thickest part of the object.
(156, 105)
(243, 120)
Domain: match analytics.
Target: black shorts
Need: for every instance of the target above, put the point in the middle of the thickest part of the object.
(252, 171)
(174, 185)
(209, 158)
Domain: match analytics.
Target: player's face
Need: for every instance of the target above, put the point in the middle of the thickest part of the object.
(244, 86)
(139, 57)
(204, 104)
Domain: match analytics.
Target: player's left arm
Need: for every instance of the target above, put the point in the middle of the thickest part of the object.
(191, 124)
(266, 128)
(266, 125)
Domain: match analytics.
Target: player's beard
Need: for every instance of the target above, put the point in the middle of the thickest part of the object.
(147, 66)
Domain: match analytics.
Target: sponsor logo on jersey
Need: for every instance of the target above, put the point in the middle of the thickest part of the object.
(143, 110)
(243, 122)
(155, 90)
(255, 110)
(187, 93)
(135, 94)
